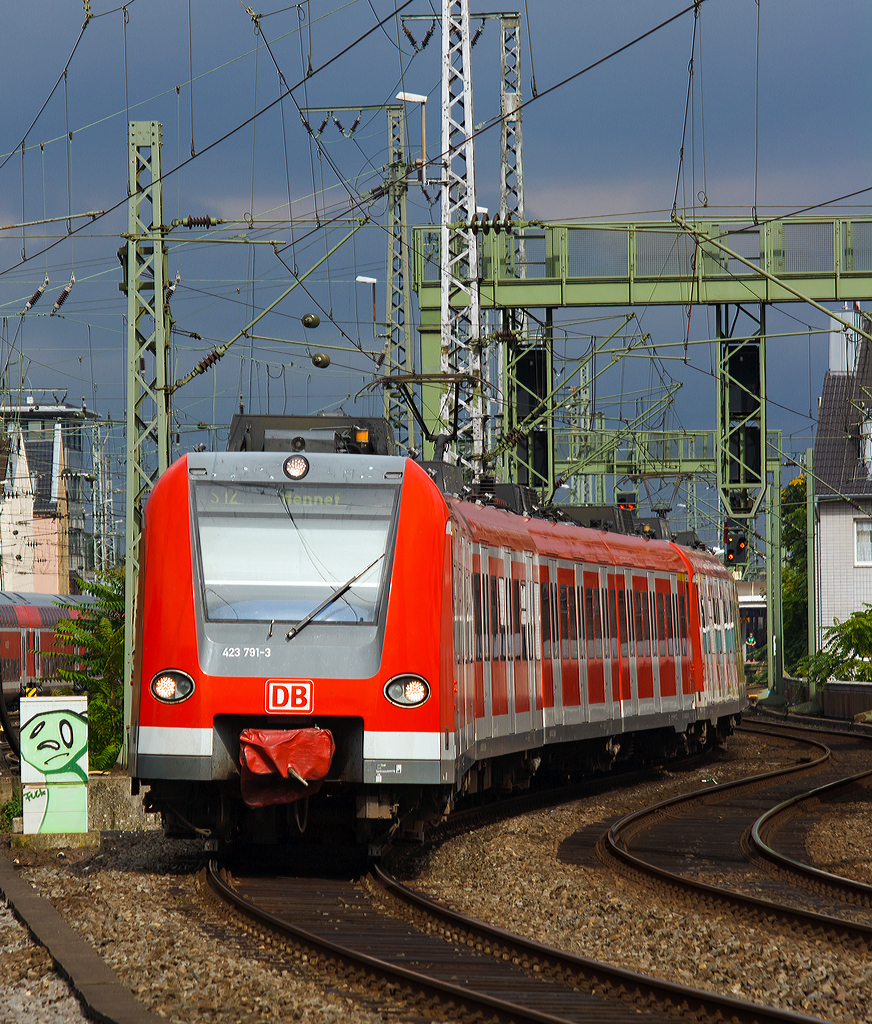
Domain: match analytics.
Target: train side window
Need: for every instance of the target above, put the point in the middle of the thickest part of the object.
(545, 605)
(516, 619)
(670, 626)
(582, 645)
(613, 622)
(640, 624)
(536, 616)
(682, 622)
(476, 614)
(555, 621)
(573, 624)
(592, 631)
(661, 625)
(564, 622)
(622, 621)
(524, 620)
(503, 616)
(494, 620)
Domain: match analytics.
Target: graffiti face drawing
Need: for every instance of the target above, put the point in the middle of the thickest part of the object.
(53, 741)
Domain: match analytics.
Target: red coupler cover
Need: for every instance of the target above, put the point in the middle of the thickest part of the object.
(279, 766)
(293, 753)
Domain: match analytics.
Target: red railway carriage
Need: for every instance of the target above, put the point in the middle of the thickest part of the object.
(28, 646)
(332, 629)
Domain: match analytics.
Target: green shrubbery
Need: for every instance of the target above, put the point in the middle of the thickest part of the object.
(846, 653)
(97, 667)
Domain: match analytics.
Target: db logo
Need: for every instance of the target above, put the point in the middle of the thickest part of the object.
(289, 697)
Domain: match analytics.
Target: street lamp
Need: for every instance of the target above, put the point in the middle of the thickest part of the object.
(373, 281)
(416, 97)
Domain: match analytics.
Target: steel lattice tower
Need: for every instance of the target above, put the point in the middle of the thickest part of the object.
(148, 342)
(460, 341)
(398, 346)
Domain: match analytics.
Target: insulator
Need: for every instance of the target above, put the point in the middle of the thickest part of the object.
(197, 222)
(409, 35)
(338, 124)
(37, 295)
(64, 295)
(428, 35)
(306, 125)
(208, 361)
(322, 125)
(474, 39)
(355, 125)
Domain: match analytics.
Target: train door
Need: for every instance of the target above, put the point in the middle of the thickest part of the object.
(593, 622)
(645, 678)
(544, 630)
(520, 669)
(705, 685)
(665, 639)
(570, 690)
(484, 696)
(621, 692)
(464, 649)
(628, 643)
(556, 715)
(530, 629)
(499, 685)
(689, 667)
(676, 635)
(509, 570)
(583, 709)
(611, 662)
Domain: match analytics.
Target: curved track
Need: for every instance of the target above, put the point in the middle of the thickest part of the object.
(382, 935)
(709, 842)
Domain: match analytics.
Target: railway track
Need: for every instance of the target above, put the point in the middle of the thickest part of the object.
(720, 844)
(388, 939)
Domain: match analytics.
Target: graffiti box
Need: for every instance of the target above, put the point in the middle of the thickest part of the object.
(55, 808)
(54, 739)
(54, 764)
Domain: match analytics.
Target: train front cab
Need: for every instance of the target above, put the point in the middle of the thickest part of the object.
(234, 556)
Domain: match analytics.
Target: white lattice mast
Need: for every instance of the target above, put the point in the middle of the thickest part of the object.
(511, 136)
(461, 311)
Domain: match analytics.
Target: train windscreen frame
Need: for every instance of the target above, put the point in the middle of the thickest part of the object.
(275, 552)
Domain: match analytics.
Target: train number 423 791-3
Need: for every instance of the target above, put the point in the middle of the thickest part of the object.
(246, 652)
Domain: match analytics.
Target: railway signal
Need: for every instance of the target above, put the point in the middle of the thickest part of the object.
(735, 543)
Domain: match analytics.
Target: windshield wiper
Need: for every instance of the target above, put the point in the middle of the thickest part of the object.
(294, 630)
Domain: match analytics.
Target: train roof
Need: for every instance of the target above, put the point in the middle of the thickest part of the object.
(568, 540)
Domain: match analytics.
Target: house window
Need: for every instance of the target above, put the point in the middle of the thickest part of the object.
(863, 541)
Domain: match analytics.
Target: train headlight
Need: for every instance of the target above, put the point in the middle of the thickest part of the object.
(296, 466)
(407, 691)
(172, 686)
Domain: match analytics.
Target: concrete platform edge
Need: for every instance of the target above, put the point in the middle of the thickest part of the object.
(102, 995)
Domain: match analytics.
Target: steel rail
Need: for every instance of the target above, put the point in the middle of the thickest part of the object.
(632, 823)
(847, 889)
(443, 992)
(586, 973)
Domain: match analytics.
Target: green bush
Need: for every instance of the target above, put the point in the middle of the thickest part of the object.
(13, 808)
(846, 652)
(97, 665)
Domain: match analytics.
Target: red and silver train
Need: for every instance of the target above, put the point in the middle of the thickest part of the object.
(328, 638)
(28, 646)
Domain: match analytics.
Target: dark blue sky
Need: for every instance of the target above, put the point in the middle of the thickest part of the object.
(605, 145)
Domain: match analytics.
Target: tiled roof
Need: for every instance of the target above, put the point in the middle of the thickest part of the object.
(846, 401)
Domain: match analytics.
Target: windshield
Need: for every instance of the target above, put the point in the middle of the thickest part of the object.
(276, 552)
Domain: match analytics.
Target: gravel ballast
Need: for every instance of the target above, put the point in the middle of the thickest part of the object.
(138, 903)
